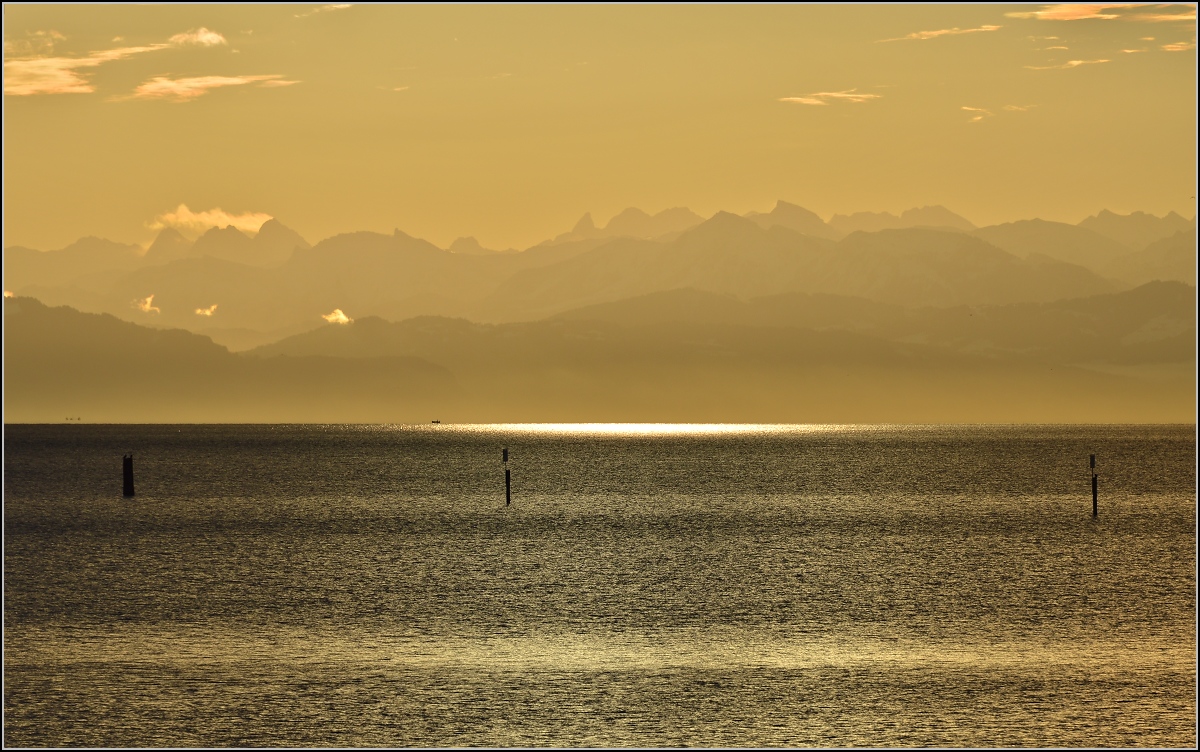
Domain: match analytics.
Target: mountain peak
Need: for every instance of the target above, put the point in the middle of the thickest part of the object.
(935, 216)
(724, 224)
(584, 226)
(1135, 230)
(168, 245)
(794, 217)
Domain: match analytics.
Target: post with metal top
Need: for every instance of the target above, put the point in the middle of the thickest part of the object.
(507, 480)
(1095, 490)
(127, 465)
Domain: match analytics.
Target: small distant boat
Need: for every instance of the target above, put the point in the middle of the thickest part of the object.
(437, 422)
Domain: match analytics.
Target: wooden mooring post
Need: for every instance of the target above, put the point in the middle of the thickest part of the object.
(127, 467)
(1095, 490)
(507, 480)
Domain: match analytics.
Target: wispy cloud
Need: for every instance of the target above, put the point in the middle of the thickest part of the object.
(324, 9)
(1179, 46)
(183, 218)
(1068, 64)
(207, 311)
(918, 35)
(34, 70)
(201, 37)
(146, 305)
(979, 113)
(1056, 47)
(1072, 12)
(39, 42)
(821, 97)
(1019, 107)
(1189, 15)
(1131, 51)
(337, 317)
(25, 77)
(1105, 12)
(187, 89)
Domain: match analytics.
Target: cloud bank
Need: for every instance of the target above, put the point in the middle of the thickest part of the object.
(1068, 64)
(187, 89)
(201, 37)
(25, 77)
(820, 97)
(919, 35)
(183, 218)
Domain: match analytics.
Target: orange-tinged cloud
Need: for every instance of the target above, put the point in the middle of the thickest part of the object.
(25, 77)
(8, 293)
(337, 317)
(35, 43)
(146, 305)
(940, 33)
(187, 89)
(183, 218)
(1165, 17)
(207, 311)
(1179, 46)
(324, 9)
(819, 98)
(1100, 11)
(1068, 64)
(980, 113)
(202, 37)
(1071, 12)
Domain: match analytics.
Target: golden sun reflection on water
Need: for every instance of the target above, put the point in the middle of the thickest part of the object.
(642, 429)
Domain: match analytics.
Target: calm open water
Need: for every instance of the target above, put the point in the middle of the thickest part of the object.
(649, 585)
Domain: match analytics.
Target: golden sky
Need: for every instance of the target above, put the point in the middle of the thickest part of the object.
(509, 122)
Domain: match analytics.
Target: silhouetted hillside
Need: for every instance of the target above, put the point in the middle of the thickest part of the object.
(1137, 230)
(245, 292)
(169, 245)
(86, 257)
(60, 362)
(690, 355)
(634, 223)
(929, 217)
(1150, 324)
(272, 245)
(795, 218)
(1171, 258)
(726, 254)
(917, 267)
(1069, 243)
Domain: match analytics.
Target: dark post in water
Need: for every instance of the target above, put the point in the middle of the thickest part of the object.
(1095, 490)
(507, 480)
(128, 467)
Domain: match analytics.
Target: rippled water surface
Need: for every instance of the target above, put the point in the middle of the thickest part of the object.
(648, 585)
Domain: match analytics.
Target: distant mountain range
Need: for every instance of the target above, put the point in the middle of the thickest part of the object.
(245, 291)
(677, 355)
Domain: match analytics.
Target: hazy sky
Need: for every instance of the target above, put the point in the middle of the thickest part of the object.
(507, 123)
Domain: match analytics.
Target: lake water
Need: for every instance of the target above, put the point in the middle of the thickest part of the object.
(648, 585)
